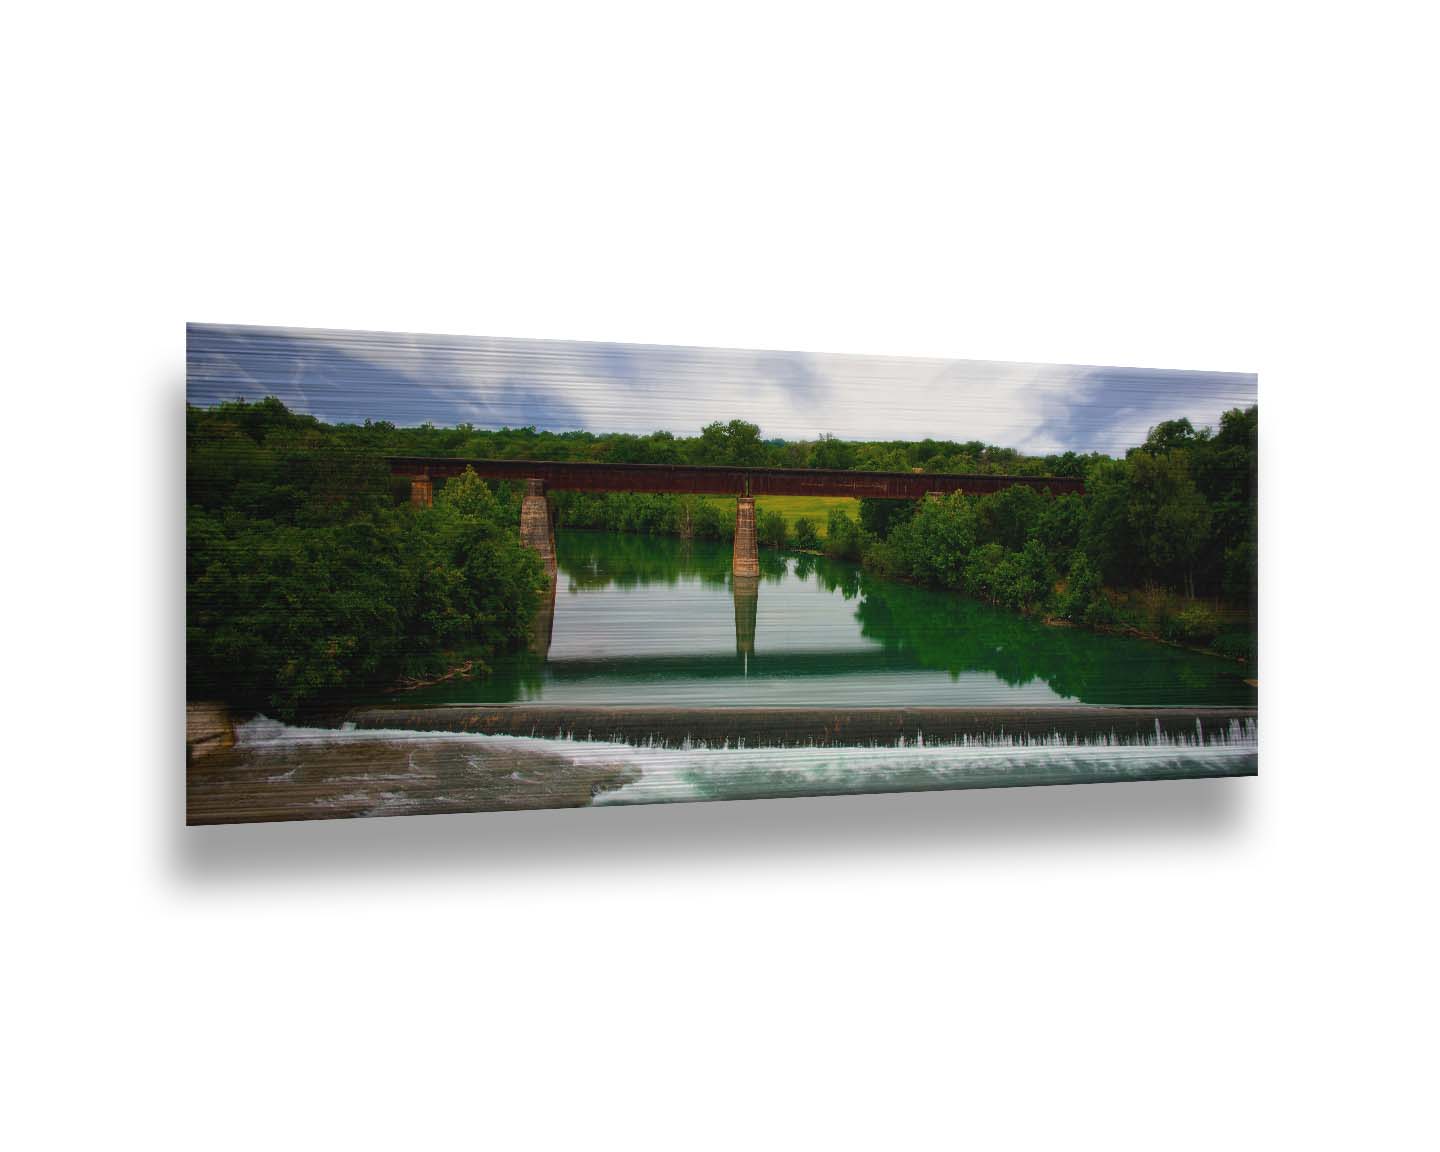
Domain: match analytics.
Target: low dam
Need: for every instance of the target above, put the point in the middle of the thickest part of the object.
(828, 727)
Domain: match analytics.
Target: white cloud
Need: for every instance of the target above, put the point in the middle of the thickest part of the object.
(641, 388)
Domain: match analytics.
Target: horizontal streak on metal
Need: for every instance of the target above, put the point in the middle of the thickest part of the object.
(717, 481)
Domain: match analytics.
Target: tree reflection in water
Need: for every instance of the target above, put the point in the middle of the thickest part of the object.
(893, 628)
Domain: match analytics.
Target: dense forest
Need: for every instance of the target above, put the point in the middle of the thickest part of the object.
(305, 578)
(308, 573)
(1164, 540)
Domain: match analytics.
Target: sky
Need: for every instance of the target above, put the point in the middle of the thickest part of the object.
(562, 385)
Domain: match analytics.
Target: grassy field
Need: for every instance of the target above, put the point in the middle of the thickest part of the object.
(794, 507)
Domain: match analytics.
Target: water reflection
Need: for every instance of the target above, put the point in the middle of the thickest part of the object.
(746, 593)
(595, 560)
(652, 620)
(542, 629)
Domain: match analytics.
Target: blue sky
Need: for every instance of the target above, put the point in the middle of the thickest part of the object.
(564, 384)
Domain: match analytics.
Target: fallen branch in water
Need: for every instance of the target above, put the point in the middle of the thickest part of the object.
(409, 683)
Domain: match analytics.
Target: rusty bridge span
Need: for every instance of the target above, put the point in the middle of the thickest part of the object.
(541, 476)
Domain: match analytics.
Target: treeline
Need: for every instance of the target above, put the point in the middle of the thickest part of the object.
(1155, 536)
(305, 579)
(647, 513)
(662, 514)
(735, 443)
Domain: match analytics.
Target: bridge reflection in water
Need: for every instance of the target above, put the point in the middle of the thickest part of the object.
(745, 590)
(636, 621)
(542, 629)
(581, 571)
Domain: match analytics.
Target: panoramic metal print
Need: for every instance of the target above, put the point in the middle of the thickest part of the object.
(431, 574)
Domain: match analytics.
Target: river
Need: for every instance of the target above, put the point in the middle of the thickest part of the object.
(655, 622)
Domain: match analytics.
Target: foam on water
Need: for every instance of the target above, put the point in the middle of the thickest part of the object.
(693, 771)
(738, 773)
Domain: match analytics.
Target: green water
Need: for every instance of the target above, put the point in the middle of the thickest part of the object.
(654, 620)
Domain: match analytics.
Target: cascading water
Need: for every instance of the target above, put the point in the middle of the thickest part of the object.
(651, 772)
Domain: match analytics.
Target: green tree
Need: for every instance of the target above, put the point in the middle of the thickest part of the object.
(936, 543)
(1082, 586)
(1226, 471)
(1009, 516)
(842, 536)
(984, 573)
(829, 452)
(881, 517)
(1168, 517)
(881, 458)
(1059, 525)
(1106, 535)
(1027, 576)
(1169, 435)
(737, 444)
(771, 529)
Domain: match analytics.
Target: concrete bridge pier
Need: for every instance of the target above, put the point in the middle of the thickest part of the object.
(747, 558)
(537, 525)
(422, 491)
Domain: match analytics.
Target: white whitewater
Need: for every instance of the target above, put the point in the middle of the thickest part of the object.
(697, 772)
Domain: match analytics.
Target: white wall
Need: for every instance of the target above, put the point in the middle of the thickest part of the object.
(1241, 963)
